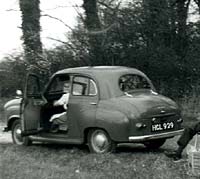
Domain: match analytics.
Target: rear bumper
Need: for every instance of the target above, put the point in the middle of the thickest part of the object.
(154, 136)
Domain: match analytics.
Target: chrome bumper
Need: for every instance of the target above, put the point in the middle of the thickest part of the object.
(154, 136)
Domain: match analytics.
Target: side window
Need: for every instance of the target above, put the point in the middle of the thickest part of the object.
(83, 86)
(57, 85)
(93, 88)
(80, 86)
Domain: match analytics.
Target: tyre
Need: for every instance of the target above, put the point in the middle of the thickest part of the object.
(100, 142)
(16, 134)
(154, 144)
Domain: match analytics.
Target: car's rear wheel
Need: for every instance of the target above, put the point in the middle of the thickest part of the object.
(154, 144)
(16, 134)
(100, 142)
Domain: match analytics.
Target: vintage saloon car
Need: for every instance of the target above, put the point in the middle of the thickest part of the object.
(107, 106)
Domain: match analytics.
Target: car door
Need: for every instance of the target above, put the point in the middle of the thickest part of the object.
(31, 105)
(82, 105)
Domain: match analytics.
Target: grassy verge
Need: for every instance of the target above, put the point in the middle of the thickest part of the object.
(62, 162)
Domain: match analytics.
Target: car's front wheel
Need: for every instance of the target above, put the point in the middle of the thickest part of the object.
(154, 144)
(16, 134)
(100, 142)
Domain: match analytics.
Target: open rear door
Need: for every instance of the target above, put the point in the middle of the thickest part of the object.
(31, 106)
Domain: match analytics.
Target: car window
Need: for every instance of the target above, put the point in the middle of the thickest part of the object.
(93, 88)
(131, 82)
(58, 83)
(83, 86)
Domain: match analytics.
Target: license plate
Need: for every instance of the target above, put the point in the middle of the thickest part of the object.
(162, 126)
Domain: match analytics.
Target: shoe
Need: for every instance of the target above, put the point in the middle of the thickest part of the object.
(173, 154)
(177, 158)
(54, 128)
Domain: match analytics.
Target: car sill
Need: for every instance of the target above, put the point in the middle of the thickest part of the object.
(154, 136)
(55, 140)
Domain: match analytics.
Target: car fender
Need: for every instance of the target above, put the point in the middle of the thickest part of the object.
(11, 120)
(114, 122)
(12, 112)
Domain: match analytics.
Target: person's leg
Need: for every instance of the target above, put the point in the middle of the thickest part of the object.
(62, 121)
(184, 139)
(187, 135)
(59, 122)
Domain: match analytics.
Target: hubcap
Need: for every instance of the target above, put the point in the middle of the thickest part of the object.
(17, 135)
(100, 142)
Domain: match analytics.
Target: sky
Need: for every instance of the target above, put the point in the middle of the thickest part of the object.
(10, 16)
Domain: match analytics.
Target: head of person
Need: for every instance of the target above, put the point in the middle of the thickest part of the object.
(66, 87)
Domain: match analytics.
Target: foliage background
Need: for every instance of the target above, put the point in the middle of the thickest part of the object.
(151, 35)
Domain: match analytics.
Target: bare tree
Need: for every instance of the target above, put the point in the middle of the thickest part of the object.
(182, 7)
(30, 11)
(92, 23)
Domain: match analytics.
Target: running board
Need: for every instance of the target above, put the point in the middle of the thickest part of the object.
(56, 140)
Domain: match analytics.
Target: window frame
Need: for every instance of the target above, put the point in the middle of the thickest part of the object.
(47, 91)
(88, 84)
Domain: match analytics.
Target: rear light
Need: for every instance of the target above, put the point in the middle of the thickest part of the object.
(180, 120)
(140, 125)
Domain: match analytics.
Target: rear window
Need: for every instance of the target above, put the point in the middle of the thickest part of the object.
(131, 82)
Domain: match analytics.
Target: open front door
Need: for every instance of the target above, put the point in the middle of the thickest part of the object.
(31, 106)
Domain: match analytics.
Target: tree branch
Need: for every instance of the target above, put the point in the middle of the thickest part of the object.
(55, 18)
(101, 31)
(57, 7)
(63, 42)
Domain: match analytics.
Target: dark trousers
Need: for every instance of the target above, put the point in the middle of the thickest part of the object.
(47, 111)
(188, 134)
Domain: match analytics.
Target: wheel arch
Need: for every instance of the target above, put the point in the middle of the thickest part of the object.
(11, 120)
(86, 131)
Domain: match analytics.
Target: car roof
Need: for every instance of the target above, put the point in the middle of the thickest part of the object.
(106, 76)
(88, 70)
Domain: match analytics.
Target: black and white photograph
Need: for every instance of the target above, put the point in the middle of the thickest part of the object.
(100, 89)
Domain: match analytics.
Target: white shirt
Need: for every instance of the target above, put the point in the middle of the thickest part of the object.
(63, 101)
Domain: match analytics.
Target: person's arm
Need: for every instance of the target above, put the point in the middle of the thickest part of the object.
(63, 101)
(60, 101)
(66, 101)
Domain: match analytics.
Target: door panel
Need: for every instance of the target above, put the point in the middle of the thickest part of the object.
(82, 106)
(80, 113)
(31, 105)
(31, 116)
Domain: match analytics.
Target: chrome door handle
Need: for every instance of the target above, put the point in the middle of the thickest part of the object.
(93, 103)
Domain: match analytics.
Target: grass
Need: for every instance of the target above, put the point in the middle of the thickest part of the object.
(63, 162)
(49, 161)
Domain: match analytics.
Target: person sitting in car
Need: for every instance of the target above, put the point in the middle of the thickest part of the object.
(59, 120)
